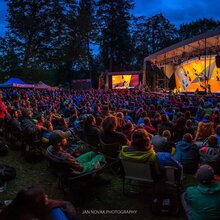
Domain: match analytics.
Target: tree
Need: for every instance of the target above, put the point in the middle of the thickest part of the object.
(197, 27)
(10, 63)
(115, 42)
(29, 30)
(87, 31)
(161, 33)
(140, 41)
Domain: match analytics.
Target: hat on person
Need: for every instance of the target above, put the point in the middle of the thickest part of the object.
(57, 136)
(205, 174)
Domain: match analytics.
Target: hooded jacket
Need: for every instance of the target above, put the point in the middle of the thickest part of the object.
(137, 154)
(211, 156)
(187, 154)
(142, 155)
(204, 200)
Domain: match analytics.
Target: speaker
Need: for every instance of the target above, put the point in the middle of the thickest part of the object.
(217, 61)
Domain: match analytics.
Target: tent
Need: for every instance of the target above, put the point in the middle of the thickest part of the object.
(15, 82)
(42, 85)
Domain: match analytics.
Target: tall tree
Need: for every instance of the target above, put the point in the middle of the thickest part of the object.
(140, 41)
(115, 42)
(161, 33)
(87, 31)
(10, 63)
(29, 29)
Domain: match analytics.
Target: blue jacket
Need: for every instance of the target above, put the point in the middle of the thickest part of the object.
(166, 159)
(187, 154)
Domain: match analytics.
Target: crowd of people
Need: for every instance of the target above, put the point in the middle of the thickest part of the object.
(162, 129)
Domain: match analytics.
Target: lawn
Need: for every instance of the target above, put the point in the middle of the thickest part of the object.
(93, 199)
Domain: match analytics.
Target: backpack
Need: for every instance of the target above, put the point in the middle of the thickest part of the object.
(7, 172)
(166, 204)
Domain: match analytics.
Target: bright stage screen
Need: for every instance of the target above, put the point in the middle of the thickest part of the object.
(125, 81)
(191, 75)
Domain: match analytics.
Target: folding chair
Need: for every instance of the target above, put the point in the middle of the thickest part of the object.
(92, 140)
(65, 178)
(111, 152)
(136, 171)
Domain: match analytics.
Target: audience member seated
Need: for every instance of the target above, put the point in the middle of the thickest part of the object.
(217, 134)
(210, 154)
(91, 131)
(29, 129)
(187, 154)
(159, 142)
(205, 129)
(33, 203)
(148, 126)
(179, 129)
(166, 124)
(166, 159)
(169, 144)
(14, 124)
(202, 202)
(128, 130)
(141, 150)
(109, 135)
(58, 153)
(189, 127)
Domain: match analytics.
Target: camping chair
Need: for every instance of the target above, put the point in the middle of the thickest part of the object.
(136, 171)
(111, 152)
(92, 140)
(85, 147)
(66, 179)
(171, 179)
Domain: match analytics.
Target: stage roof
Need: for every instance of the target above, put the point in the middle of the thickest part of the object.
(187, 49)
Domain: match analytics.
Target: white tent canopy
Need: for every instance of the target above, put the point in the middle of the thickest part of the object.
(205, 43)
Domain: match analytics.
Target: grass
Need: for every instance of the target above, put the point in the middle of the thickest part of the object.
(90, 197)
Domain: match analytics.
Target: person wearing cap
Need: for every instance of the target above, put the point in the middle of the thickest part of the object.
(202, 202)
(57, 153)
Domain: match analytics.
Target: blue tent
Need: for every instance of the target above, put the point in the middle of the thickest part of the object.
(16, 82)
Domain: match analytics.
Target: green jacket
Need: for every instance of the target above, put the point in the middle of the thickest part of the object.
(142, 155)
(138, 155)
(205, 201)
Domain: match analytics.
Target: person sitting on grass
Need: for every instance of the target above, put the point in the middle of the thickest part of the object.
(33, 203)
(210, 154)
(202, 202)
(58, 153)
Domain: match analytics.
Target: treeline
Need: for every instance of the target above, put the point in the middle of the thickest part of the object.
(59, 40)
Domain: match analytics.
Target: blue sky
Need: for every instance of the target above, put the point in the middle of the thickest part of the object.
(177, 11)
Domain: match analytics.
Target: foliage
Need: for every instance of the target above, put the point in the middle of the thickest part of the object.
(58, 37)
(197, 27)
(114, 40)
